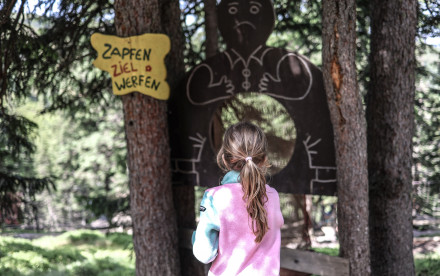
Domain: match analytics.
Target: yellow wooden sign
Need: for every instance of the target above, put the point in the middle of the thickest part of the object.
(135, 63)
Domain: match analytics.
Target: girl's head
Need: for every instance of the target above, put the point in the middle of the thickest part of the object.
(244, 150)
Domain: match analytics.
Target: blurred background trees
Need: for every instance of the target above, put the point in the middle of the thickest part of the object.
(61, 126)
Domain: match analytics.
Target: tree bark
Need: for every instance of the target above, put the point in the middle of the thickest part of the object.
(151, 202)
(390, 117)
(347, 116)
(183, 195)
(211, 43)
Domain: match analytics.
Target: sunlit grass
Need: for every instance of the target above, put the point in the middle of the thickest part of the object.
(427, 265)
(85, 252)
(327, 250)
(81, 252)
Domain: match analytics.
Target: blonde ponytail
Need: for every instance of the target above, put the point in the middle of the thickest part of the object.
(253, 182)
(244, 150)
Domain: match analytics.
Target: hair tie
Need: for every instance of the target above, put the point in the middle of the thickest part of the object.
(248, 158)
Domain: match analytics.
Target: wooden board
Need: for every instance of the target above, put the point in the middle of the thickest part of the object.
(248, 65)
(312, 262)
(135, 63)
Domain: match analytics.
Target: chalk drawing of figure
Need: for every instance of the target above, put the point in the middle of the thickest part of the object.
(188, 166)
(249, 65)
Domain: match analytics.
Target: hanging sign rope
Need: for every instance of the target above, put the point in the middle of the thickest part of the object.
(135, 63)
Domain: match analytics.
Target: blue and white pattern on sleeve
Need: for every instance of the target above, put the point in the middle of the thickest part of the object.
(205, 238)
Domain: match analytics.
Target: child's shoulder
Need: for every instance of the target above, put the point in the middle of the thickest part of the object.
(229, 186)
(271, 190)
(225, 188)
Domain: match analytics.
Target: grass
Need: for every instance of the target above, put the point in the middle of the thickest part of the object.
(86, 252)
(81, 252)
(427, 265)
(327, 251)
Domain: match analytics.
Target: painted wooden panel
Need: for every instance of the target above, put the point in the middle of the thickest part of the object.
(135, 63)
(249, 65)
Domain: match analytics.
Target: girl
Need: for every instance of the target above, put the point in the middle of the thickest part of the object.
(240, 221)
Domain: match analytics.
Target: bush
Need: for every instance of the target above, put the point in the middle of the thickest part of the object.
(24, 262)
(85, 236)
(63, 255)
(427, 266)
(121, 239)
(81, 252)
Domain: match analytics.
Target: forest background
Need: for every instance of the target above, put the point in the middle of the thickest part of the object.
(62, 143)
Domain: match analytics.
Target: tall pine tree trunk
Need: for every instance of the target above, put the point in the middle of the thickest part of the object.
(146, 128)
(390, 108)
(183, 195)
(347, 116)
(211, 43)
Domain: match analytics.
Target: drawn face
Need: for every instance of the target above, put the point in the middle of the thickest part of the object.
(245, 24)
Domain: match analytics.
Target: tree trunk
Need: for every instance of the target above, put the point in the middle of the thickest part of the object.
(347, 115)
(211, 42)
(146, 128)
(183, 195)
(390, 108)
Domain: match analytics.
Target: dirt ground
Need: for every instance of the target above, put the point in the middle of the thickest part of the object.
(427, 245)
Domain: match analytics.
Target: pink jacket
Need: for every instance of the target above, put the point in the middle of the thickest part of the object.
(224, 235)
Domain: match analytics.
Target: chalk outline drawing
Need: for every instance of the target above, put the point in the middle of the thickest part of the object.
(244, 22)
(263, 81)
(223, 79)
(230, 88)
(199, 143)
(253, 11)
(316, 168)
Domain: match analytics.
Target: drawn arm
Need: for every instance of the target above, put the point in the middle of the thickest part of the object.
(299, 72)
(202, 87)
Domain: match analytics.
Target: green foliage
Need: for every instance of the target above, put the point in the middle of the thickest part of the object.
(90, 253)
(18, 182)
(327, 250)
(120, 239)
(85, 156)
(427, 133)
(51, 52)
(84, 236)
(427, 265)
(48, 56)
(429, 18)
(192, 23)
(298, 27)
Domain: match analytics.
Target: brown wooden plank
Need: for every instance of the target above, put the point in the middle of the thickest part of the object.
(298, 260)
(312, 262)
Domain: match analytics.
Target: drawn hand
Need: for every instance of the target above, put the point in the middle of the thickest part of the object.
(229, 87)
(262, 85)
(208, 88)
